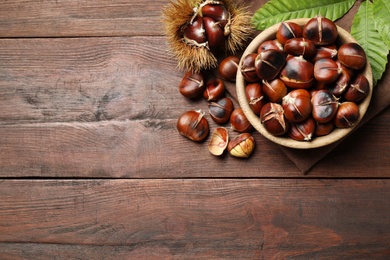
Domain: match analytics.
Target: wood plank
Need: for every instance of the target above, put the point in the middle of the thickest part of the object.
(218, 219)
(152, 148)
(73, 18)
(89, 79)
(21, 18)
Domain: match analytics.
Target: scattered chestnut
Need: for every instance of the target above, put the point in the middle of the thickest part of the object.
(358, 89)
(221, 110)
(347, 115)
(192, 85)
(255, 97)
(302, 131)
(274, 90)
(247, 68)
(228, 67)
(219, 141)
(324, 106)
(270, 45)
(300, 46)
(288, 30)
(269, 63)
(272, 118)
(215, 89)
(296, 105)
(242, 146)
(320, 30)
(352, 55)
(193, 125)
(297, 73)
(239, 122)
(326, 70)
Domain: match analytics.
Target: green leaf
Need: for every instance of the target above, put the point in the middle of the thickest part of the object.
(381, 9)
(276, 11)
(363, 30)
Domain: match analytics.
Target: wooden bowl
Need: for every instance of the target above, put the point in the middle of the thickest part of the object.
(337, 134)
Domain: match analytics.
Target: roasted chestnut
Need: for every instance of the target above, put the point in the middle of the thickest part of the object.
(328, 51)
(221, 110)
(193, 125)
(242, 146)
(358, 89)
(228, 67)
(288, 30)
(247, 68)
(269, 63)
(300, 46)
(270, 45)
(324, 106)
(272, 118)
(297, 73)
(320, 30)
(323, 128)
(347, 115)
(326, 70)
(239, 121)
(352, 55)
(192, 85)
(341, 84)
(255, 97)
(274, 90)
(215, 89)
(302, 131)
(296, 105)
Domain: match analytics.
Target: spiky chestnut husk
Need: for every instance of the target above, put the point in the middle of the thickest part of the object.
(199, 57)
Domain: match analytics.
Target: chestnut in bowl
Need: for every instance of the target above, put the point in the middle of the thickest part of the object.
(319, 140)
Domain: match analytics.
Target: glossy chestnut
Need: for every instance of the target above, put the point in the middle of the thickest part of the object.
(248, 69)
(193, 125)
(326, 70)
(270, 45)
(358, 89)
(214, 33)
(323, 129)
(269, 63)
(320, 30)
(217, 12)
(228, 67)
(254, 95)
(191, 85)
(297, 73)
(288, 30)
(302, 131)
(273, 120)
(221, 110)
(215, 89)
(352, 55)
(328, 51)
(195, 33)
(324, 106)
(347, 115)
(240, 122)
(300, 46)
(296, 105)
(274, 90)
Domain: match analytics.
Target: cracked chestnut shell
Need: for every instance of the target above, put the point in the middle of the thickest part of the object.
(221, 110)
(192, 85)
(269, 63)
(242, 146)
(302, 131)
(255, 97)
(347, 115)
(273, 120)
(215, 89)
(288, 30)
(352, 55)
(193, 125)
(296, 105)
(239, 121)
(219, 141)
(297, 73)
(320, 30)
(325, 106)
(358, 89)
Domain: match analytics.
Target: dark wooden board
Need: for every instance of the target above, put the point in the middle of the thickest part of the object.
(206, 219)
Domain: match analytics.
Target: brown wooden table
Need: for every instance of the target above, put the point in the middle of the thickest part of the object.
(92, 166)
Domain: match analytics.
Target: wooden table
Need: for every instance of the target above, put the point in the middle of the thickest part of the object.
(92, 166)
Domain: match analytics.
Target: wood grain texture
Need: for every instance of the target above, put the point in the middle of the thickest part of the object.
(204, 219)
(107, 107)
(80, 18)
